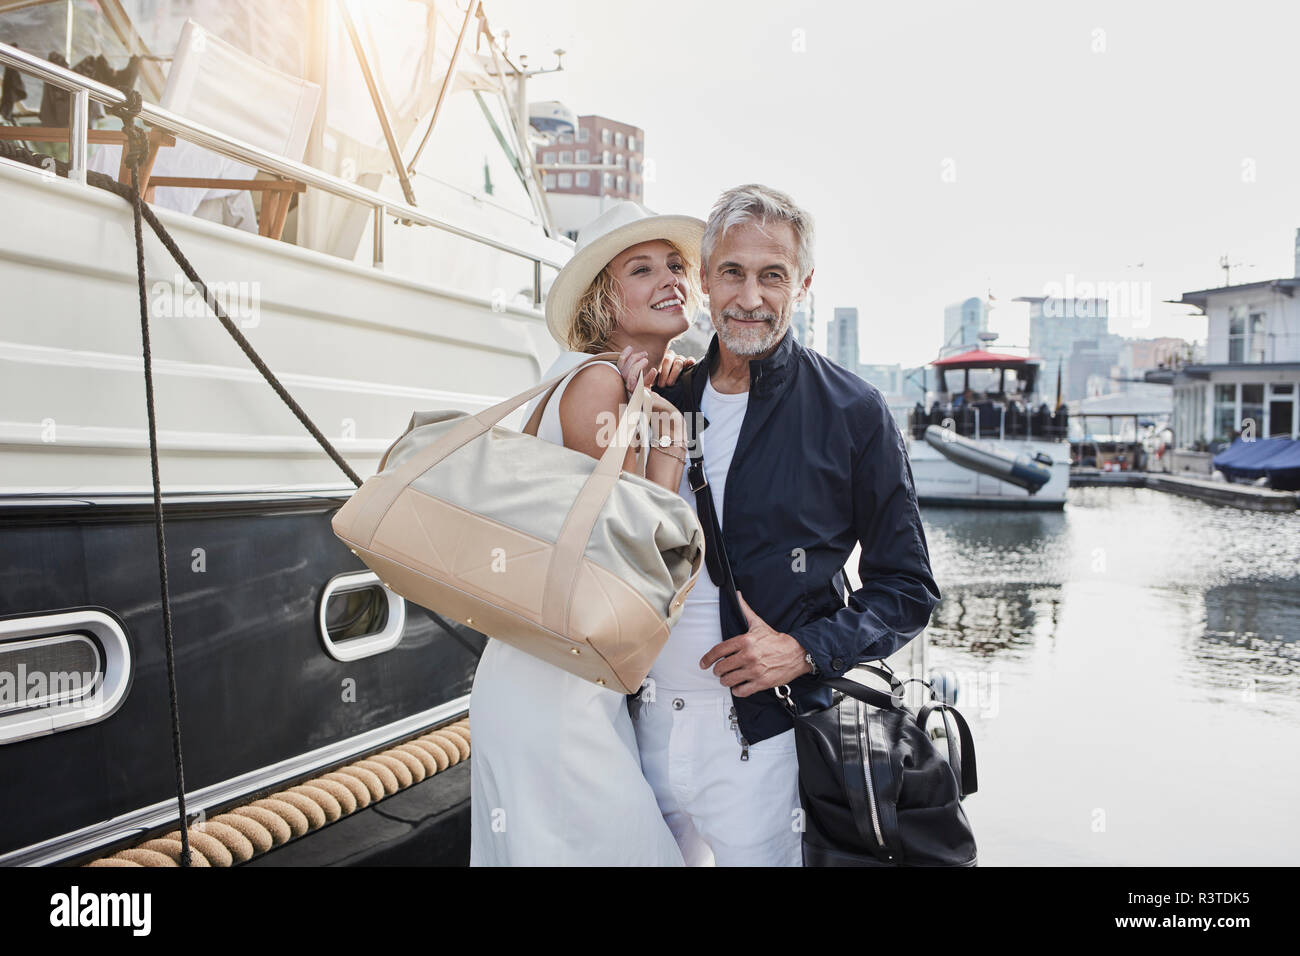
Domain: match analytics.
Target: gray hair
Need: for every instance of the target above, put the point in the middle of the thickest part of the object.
(762, 204)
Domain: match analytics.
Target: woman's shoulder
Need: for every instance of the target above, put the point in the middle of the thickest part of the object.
(598, 381)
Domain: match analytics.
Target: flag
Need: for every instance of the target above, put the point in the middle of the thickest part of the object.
(1059, 363)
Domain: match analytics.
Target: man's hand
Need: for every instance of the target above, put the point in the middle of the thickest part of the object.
(759, 659)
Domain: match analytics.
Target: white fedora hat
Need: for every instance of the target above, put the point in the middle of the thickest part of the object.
(622, 225)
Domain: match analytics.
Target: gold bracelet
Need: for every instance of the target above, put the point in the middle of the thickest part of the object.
(663, 449)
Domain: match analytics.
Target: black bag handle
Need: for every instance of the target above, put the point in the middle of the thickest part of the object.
(964, 765)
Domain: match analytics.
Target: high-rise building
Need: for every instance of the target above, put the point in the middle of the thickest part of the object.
(584, 170)
(1055, 325)
(842, 338)
(962, 324)
(802, 321)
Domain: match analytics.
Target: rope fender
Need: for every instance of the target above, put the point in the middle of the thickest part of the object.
(258, 826)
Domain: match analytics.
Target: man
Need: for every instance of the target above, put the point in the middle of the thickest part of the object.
(803, 460)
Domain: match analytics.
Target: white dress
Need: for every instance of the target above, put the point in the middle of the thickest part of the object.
(555, 778)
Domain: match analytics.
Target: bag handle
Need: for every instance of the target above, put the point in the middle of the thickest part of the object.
(868, 695)
(571, 544)
(964, 766)
(388, 487)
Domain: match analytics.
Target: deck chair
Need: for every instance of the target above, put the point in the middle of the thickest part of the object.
(213, 84)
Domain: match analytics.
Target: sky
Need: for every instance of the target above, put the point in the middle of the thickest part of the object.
(957, 149)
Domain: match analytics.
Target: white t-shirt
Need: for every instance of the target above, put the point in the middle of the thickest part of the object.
(700, 627)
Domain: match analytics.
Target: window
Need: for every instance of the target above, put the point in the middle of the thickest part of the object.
(1247, 340)
(566, 159)
(566, 180)
(631, 164)
(548, 181)
(359, 617)
(606, 180)
(621, 182)
(1236, 334)
(584, 135)
(618, 140)
(636, 189)
(480, 125)
(548, 159)
(604, 158)
(584, 179)
(631, 143)
(1252, 410)
(77, 666)
(566, 137)
(1256, 350)
(584, 156)
(621, 161)
(604, 136)
(1225, 412)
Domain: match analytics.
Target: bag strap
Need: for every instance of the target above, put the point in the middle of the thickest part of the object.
(715, 555)
(387, 487)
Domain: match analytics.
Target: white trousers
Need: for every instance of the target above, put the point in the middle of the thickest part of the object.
(722, 810)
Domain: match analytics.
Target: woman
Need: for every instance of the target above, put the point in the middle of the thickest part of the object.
(556, 777)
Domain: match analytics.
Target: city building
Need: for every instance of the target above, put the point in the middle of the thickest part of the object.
(1055, 325)
(803, 321)
(842, 338)
(1248, 384)
(962, 324)
(585, 169)
(1089, 369)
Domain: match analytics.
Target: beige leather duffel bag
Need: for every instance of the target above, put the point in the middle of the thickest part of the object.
(571, 559)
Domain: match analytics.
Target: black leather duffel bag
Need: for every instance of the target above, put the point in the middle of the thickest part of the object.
(874, 788)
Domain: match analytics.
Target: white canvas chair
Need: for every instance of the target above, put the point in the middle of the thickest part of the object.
(216, 85)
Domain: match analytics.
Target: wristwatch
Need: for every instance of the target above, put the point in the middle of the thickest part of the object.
(807, 655)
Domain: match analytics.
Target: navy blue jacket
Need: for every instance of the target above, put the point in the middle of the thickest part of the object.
(819, 466)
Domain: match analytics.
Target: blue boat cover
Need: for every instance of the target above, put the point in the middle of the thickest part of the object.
(1276, 458)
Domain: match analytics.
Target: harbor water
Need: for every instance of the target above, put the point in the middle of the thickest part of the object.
(1130, 668)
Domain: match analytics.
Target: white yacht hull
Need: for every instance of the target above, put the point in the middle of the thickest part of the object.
(359, 349)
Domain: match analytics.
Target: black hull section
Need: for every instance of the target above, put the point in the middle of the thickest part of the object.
(254, 683)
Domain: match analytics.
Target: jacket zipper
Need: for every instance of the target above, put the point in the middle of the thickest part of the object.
(866, 775)
(735, 728)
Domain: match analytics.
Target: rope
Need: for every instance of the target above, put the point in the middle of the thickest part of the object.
(135, 151)
(250, 829)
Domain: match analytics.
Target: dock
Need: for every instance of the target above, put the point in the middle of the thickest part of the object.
(1215, 492)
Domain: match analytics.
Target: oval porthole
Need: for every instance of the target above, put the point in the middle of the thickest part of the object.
(359, 617)
(60, 671)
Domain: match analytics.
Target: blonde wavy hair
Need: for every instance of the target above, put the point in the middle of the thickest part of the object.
(598, 310)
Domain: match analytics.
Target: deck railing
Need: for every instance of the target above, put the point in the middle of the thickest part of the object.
(83, 89)
(997, 420)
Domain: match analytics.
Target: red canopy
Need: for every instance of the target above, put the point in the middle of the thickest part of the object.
(981, 359)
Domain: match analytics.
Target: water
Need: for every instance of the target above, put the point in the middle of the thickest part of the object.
(1130, 668)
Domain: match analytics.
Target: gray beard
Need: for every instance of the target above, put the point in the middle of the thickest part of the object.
(749, 341)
